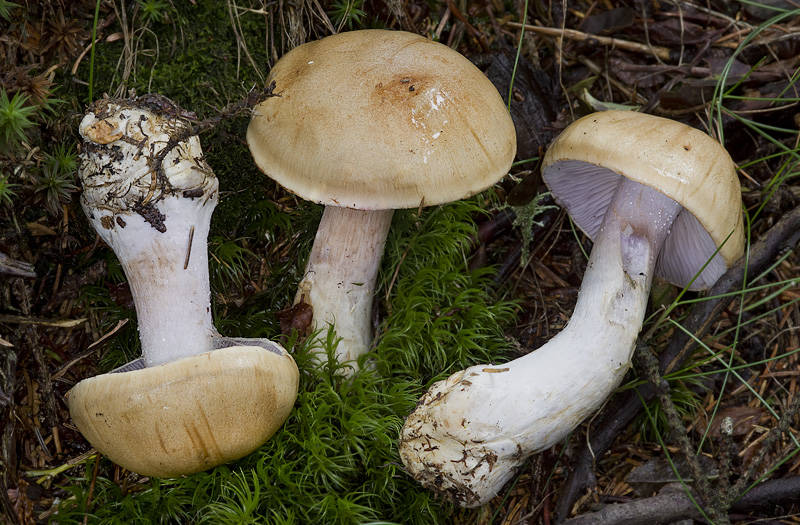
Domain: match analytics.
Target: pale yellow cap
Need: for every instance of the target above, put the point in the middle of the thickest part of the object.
(379, 119)
(188, 415)
(582, 167)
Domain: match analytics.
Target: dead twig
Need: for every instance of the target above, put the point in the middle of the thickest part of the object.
(398, 9)
(663, 53)
(649, 365)
(50, 323)
(232, 110)
(11, 266)
(90, 492)
(480, 37)
(671, 506)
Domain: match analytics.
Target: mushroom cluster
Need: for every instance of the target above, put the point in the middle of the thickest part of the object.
(368, 122)
(195, 399)
(656, 197)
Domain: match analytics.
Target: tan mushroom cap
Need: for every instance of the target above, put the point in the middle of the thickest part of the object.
(188, 415)
(378, 119)
(681, 162)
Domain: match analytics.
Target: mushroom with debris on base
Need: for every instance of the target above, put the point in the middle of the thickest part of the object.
(368, 122)
(656, 196)
(195, 399)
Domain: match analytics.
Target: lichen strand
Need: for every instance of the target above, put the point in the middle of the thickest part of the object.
(137, 152)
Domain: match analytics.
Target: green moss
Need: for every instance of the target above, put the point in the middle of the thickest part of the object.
(443, 316)
(194, 59)
(526, 219)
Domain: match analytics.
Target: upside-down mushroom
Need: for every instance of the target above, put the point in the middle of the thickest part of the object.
(195, 399)
(657, 197)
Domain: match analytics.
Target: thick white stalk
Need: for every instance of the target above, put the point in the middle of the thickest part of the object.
(194, 400)
(470, 433)
(340, 277)
(149, 194)
(168, 276)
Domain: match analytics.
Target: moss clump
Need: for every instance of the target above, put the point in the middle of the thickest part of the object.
(444, 317)
(192, 56)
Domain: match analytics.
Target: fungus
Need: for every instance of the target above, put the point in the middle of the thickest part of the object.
(368, 122)
(656, 196)
(195, 399)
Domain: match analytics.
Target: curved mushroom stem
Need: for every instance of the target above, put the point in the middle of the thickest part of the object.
(340, 277)
(470, 433)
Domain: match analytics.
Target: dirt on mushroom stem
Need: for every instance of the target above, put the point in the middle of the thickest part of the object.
(151, 197)
(200, 400)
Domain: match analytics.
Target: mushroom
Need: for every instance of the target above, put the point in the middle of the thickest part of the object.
(656, 196)
(368, 122)
(195, 399)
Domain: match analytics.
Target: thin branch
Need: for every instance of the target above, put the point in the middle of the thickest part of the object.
(661, 52)
(671, 506)
(649, 365)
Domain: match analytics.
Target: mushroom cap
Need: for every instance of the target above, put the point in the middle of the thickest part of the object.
(378, 119)
(582, 169)
(188, 415)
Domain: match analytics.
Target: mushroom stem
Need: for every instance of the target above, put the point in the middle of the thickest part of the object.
(168, 276)
(149, 194)
(340, 277)
(470, 433)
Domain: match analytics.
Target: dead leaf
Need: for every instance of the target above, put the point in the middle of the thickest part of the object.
(609, 22)
(297, 317)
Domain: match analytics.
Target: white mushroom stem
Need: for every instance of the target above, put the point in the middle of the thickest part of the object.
(470, 433)
(168, 276)
(149, 194)
(195, 399)
(340, 277)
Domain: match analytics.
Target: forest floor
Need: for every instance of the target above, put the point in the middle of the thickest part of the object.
(485, 280)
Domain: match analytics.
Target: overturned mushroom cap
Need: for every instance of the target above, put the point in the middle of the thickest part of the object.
(194, 399)
(188, 415)
(583, 167)
(410, 121)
